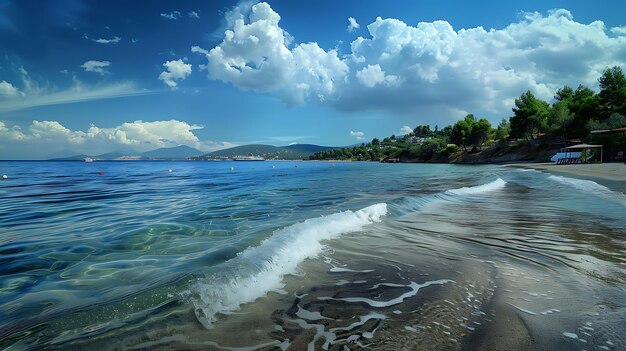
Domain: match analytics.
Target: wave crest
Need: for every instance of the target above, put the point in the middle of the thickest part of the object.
(478, 189)
(266, 265)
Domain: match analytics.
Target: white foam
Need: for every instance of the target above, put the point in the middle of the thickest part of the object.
(259, 270)
(570, 335)
(478, 189)
(590, 187)
(415, 287)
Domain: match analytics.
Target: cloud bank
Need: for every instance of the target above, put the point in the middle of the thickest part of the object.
(428, 68)
(52, 136)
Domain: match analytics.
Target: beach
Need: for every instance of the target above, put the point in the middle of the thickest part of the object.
(607, 171)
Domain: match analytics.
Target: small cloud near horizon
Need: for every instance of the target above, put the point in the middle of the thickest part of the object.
(358, 135)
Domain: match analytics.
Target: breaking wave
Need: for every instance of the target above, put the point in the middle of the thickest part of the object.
(259, 270)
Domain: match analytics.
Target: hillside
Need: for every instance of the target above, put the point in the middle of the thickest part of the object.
(291, 152)
(177, 152)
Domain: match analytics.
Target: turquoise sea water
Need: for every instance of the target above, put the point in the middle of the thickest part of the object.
(266, 255)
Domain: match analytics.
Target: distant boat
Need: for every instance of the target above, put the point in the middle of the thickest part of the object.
(88, 159)
(248, 158)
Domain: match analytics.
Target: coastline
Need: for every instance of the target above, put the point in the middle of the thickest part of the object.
(606, 171)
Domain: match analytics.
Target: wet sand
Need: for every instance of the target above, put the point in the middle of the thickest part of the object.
(608, 171)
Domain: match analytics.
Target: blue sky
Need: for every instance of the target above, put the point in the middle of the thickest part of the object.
(93, 77)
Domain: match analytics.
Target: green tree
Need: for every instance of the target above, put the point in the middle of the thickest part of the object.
(422, 131)
(375, 141)
(462, 131)
(530, 116)
(503, 130)
(612, 91)
(585, 106)
(481, 132)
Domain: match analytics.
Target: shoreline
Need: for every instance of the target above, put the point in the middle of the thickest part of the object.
(605, 171)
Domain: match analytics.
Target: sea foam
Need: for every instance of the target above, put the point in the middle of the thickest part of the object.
(259, 270)
(478, 189)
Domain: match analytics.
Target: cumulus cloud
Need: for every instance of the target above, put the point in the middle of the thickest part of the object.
(33, 94)
(352, 24)
(174, 15)
(429, 68)
(96, 66)
(193, 14)
(358, 135)
(373, 75)
(7, 89)
(175, 71)
(256, 55)
(113, 40)
(406, 130)
(51, 136)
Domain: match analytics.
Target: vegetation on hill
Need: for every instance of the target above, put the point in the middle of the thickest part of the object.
(291, 152)
(532, 132)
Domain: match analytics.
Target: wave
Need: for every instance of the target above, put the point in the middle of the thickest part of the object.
(478, 189)
(590, 187)
(413, 204)
(259, 270)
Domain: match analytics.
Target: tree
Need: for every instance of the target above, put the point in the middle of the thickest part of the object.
(462, 130)
(530, 115)
(503, 130)
(564, 94)
(422, 131)
(481, 131)
(560, 119)
(585, 106)
(612, 91)
(375, 141)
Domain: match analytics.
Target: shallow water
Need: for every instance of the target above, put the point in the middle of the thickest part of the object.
(277, 255)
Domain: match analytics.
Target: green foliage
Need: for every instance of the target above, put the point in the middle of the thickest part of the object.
(503, 130)
(612, 92)
(422, 131)
(530, 116)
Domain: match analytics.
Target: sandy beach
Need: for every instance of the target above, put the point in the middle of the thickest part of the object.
(608, 171)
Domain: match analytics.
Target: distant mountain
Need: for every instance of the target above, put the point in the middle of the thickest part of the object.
(63, 154)
(291, 152)
(70, 158)
(177, 152)
(111, 155)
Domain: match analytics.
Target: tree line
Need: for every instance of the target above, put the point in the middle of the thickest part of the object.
(571, 116)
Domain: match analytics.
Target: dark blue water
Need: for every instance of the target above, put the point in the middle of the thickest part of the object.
(123, 254)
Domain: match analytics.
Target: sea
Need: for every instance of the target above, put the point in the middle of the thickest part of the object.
(280, 255)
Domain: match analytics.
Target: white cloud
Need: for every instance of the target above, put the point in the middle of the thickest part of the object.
(406, 130)
(174, 15)
(175, 71)
(255, 55)
(8, 90)
(619, 30)
(373, 75)
(358, 135)
(33, 95)
(51, 136)
(352, 24)
(193, 14)
(96, 66)
(113, 40)
(427, 69)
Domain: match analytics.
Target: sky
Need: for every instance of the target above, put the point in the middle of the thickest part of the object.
(89, 77)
